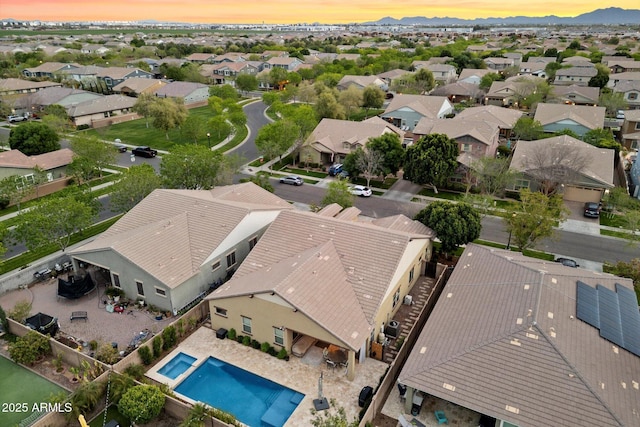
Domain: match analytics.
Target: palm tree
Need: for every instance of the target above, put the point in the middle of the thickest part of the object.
(197, 416)
(86, 397)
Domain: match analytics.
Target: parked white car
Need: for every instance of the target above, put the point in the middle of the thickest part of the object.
(361, 190)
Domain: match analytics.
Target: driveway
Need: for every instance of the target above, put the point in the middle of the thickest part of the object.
(577, 222)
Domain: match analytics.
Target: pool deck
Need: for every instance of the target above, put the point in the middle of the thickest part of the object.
(299, 374)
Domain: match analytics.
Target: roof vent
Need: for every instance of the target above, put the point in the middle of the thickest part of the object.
(529, 313)
(449, 295)
(526, 287)
(512, 409)
(623, 384)
(519, 321)
(550, 315)
(423, 350)
(635, 384)
(532, 336)
(449, 387)
(554, 280)
(515, 342)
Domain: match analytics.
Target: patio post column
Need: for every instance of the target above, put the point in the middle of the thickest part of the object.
(351, 367)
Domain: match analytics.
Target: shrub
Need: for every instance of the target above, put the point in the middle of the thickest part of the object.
(231, 334)
(157, 346)
(145, 355)
(82, 127)
(180, 327)
(93, 345)
(282, 354)
(27, 349)
(107, 354)
(265, 347)
(272, 351)
(246, 340)
(135, 371)
(142, 403)
(20, 311)
(240, 339)
(169, 337)
(255, 344)
(3, 320)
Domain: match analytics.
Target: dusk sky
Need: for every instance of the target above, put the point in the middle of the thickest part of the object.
(289, 11)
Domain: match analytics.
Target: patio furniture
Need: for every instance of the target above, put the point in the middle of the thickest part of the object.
(302, 344)
(441, 417)
(77, 315)
(331, 363)
(416, 403)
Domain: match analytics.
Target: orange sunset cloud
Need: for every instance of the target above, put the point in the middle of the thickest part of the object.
(288, 11)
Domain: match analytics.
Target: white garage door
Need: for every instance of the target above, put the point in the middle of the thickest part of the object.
(580, 194)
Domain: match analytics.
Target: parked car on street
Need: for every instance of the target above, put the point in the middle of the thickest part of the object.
(592, 210)
(361, 190)
(291, 180)
(144, 152)
(16, 118)
(567, 262)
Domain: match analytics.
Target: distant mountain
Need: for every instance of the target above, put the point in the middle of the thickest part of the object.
(609, 16)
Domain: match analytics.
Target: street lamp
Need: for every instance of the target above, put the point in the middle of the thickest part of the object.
(510, 231)
(209, 139)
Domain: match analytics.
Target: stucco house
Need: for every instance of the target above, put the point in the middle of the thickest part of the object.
(578, 118)
(113, 76)
(54, 164)
(505, 118)
(630, 130)
(508, 339)
(98, 109)
(476, 138)
(137, 85)
(189, 92)
(48, 70)
(575, 95)
(536, 65)
(361, 82)
(333, 139)
(174, 244)
(574, 76)
(460, 91)
(579, 171)
(307, 279)
(64, 96)
(630, 90)
(473, 75)
(511, 91)
(405, 111)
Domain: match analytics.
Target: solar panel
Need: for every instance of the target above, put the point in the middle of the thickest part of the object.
(610, 326)
(614, 313)
(587, 304)
(630, 318)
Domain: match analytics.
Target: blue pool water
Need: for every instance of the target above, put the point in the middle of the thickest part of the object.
(253, 400)
(176, 366)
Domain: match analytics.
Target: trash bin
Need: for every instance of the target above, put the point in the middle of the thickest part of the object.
(365, 395)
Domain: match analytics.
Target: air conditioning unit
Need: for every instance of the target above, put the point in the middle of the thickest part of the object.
(408, 300)
(392, 328)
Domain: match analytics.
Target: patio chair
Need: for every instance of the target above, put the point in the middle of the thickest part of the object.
(331, 363)
(441, 417)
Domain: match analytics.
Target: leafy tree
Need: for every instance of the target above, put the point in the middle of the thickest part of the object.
(142, 403)
(602, 138)
(221, 127)
(338, 192)
(630, 270)
(192, 167)
(14, 189)
(270, 97)
(276, 138)
(262, 181)
(97, 152)
(528, 129)
(143, 106)
(487, 80)
(247, 82)
(390, 146)
(369, 163)
(194, 128)
(56, 110)
(550, 69)
(455, 224)
(350, 98)
(136, 184)
(307, 93)
(225, 92)
(20, 311)
(278, 78)
(86, 397)
(168, 113)
(372, 97)
(327, 106)
(81, 169)
(431, 160)
(420, 82)
(53, 221)
(612, 101)
(492, 175)
(33, 138)
(601, 78)
(535, 218)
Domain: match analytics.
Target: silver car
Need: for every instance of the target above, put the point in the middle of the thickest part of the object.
(291, 180)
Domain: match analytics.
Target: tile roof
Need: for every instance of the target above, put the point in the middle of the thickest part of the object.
(587, 116)
(505, 118)
(179, 89)
(599, 161)
(428, 106)
(482, 131)
(172, 232)
(46, 161)
(504, 340)
(20, 84)
(101, 105)
(338, 270)
(331, 134)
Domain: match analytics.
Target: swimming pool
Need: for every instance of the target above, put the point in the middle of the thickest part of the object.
(253, 400)
(176, 366)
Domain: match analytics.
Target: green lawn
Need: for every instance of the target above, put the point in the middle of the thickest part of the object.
(135, 132)
(21, 386)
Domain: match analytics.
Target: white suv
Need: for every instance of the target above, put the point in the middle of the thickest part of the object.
(16, 118)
